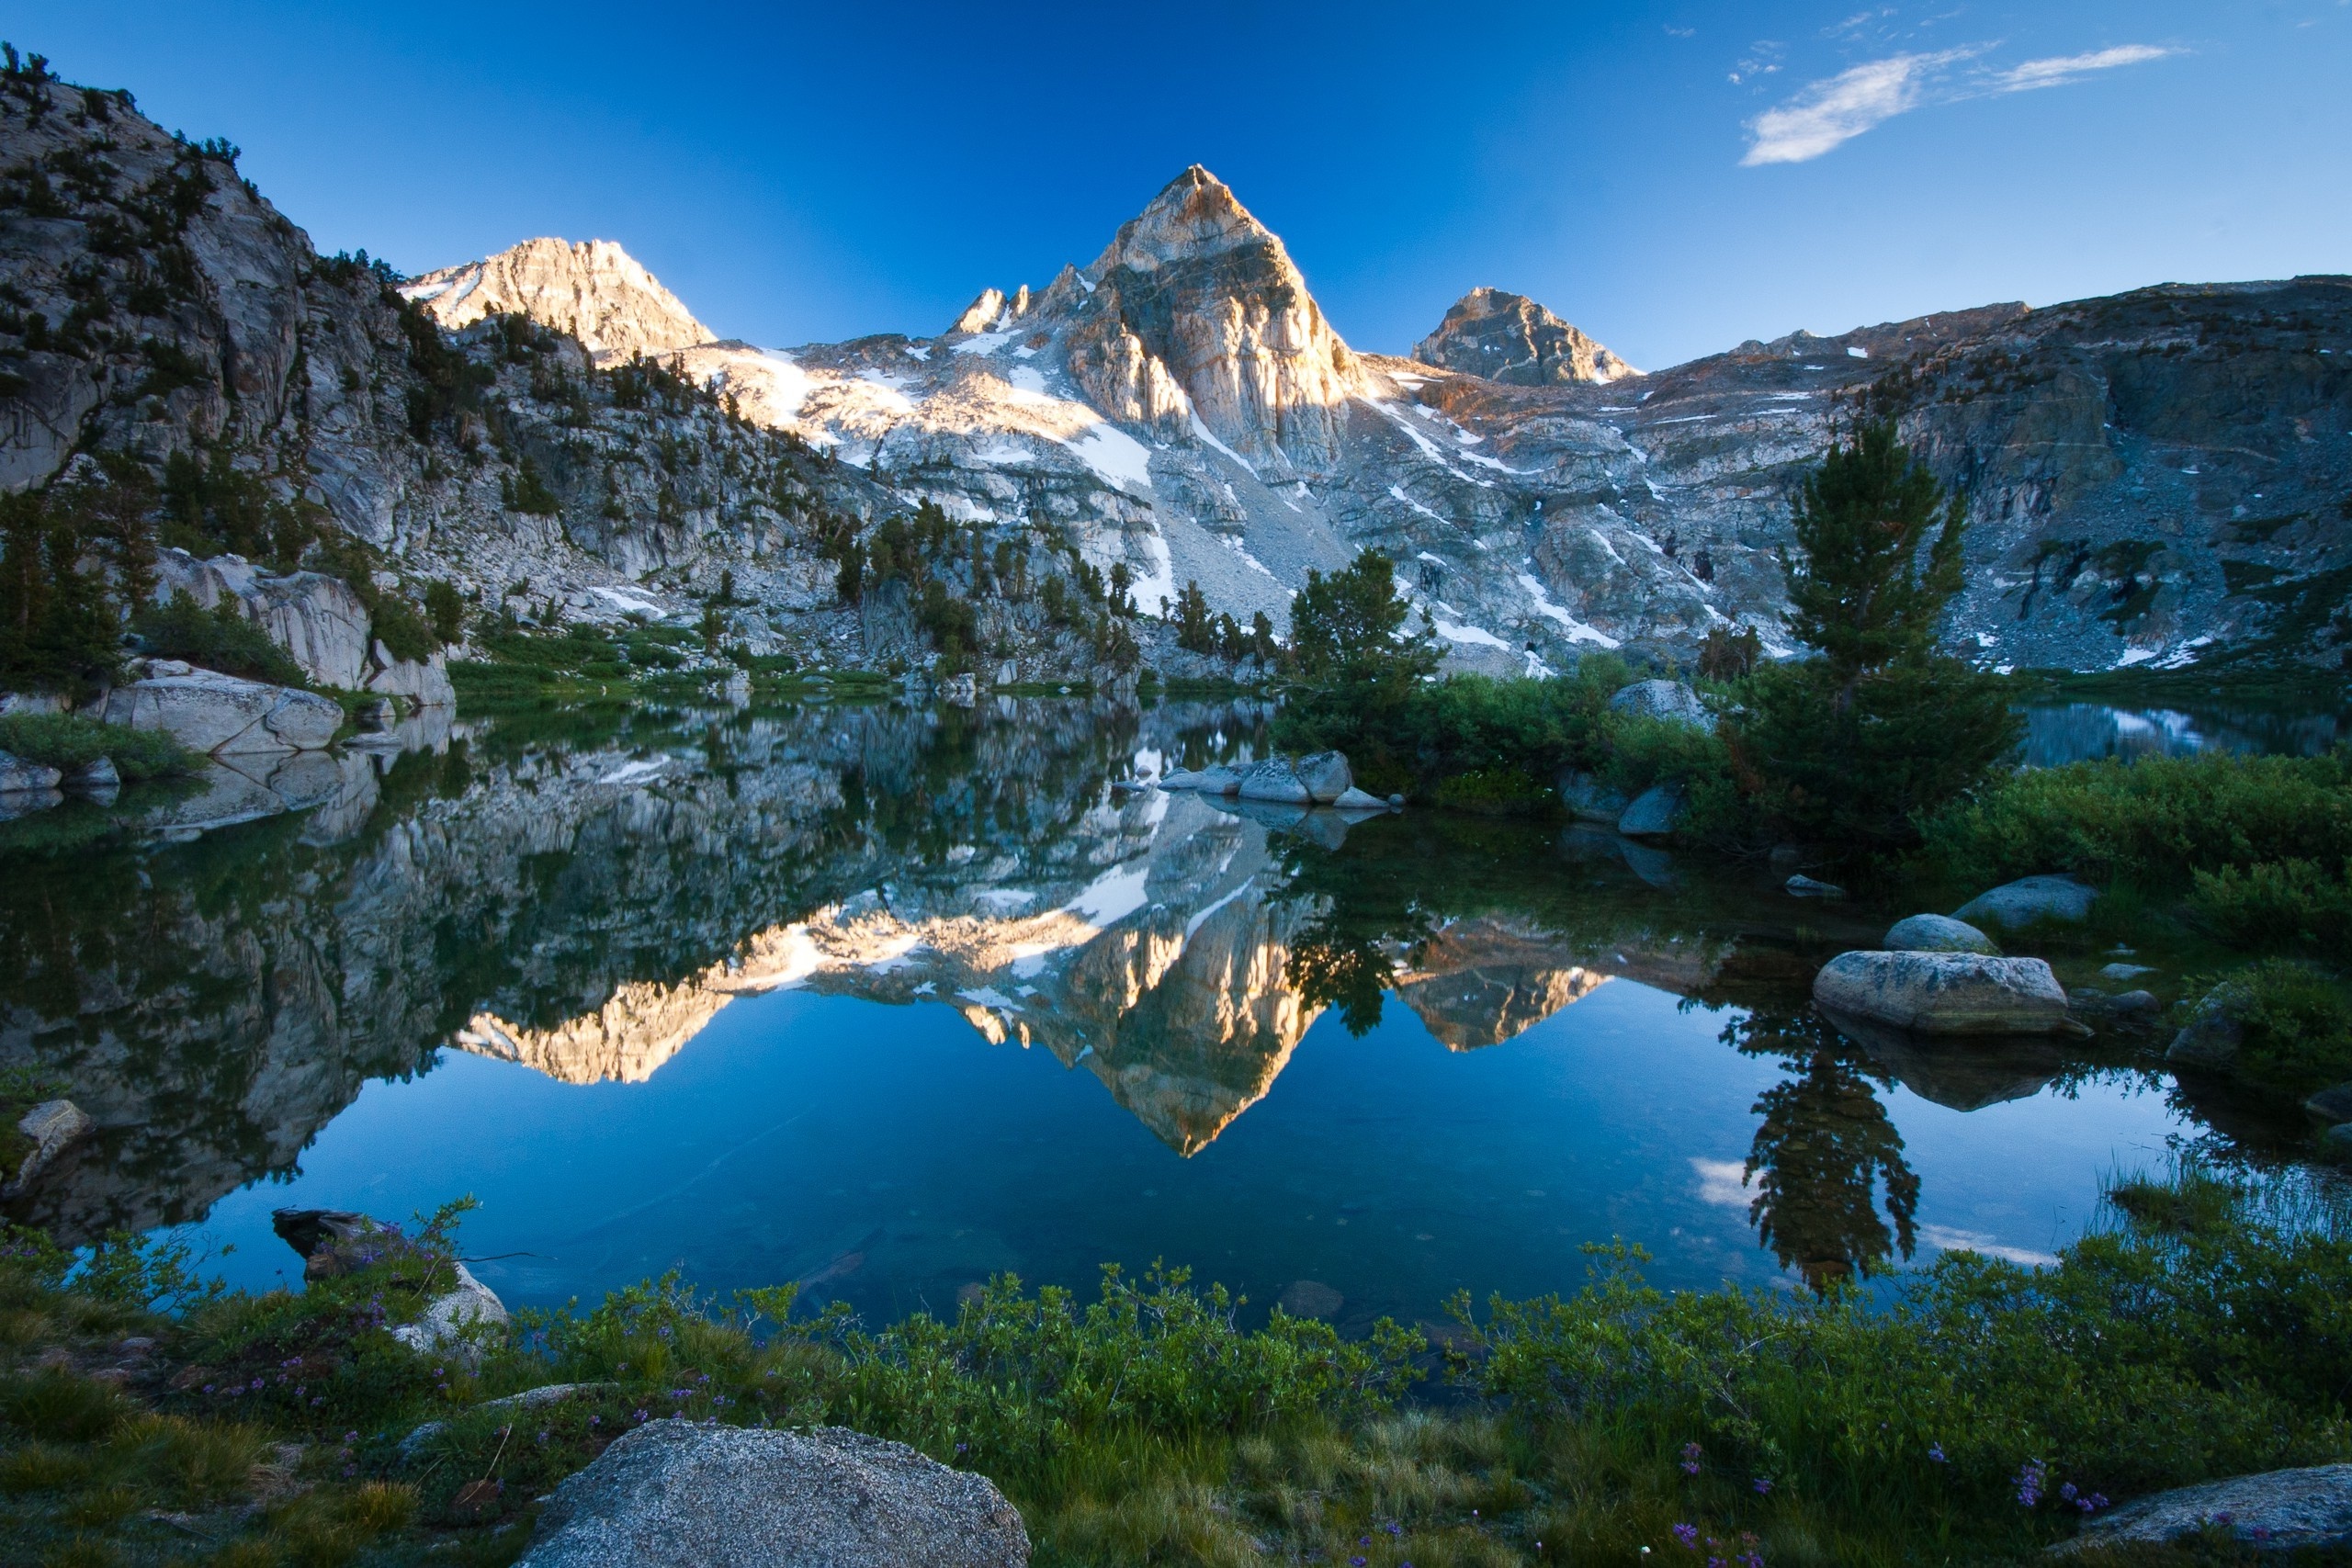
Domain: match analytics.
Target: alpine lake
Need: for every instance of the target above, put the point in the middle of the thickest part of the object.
(887, 999)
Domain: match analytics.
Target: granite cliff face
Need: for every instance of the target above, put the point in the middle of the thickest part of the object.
(1509, 338)
(2159, 478)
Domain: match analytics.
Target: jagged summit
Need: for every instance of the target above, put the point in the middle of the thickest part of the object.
(1194, 215)
(1509, 338)
(593, 290)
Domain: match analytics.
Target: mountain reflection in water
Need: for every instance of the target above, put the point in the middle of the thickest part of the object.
(585, 894)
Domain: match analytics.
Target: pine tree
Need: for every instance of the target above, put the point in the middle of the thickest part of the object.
(1854, 747)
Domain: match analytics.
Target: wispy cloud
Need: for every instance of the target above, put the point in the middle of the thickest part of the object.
(1943, 1238)
(2062, 69)
(1827, 114)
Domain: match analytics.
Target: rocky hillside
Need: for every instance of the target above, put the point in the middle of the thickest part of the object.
(2156, 479)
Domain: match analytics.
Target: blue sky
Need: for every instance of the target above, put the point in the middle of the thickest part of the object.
(1673, 177)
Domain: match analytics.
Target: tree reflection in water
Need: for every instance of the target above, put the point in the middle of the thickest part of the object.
(1826, 1155)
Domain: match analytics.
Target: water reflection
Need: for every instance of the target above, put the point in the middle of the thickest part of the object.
(585, 896)
(2059, 733)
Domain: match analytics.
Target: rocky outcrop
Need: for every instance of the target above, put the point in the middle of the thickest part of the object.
(1509, 338)
(1670, 702)
(1943, 993)
(593, 291)
(19, 777)
(2277, 1511)
(671, 1492)
(321, 622)
(53, 1126)
(1653, 814)
(223, 714)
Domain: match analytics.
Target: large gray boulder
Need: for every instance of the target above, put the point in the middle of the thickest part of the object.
(317, 619)
(1936, 933)
(207, 711)
(20, 777)
(53, 1125)
(2029, 900)
(672, 1492)
(1274, 780)
(1326, 775)
(1944, 993)
(426, 682)
(2278, 1510)
(445, 1323)
(1668, 700)
(2214, 1033)
(1654, 814)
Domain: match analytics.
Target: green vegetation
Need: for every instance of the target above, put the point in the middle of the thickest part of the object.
(2296, 1020)
(72, 557)
(67, 741)
(1974, 1414)
(220, 638)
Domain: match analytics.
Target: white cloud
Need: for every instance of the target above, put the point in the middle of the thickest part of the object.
(1724, 1181)
(2062, 69)
(1944, 1238)
(1827, 114)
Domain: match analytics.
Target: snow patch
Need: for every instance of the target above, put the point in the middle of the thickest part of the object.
(1202, 918)
(1202, 433)
(637, 773)
(1575, 630)
(984, 343)
(1112, 897)
(1114, 454)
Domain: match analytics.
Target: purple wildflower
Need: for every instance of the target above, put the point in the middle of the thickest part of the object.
(1763, 1486)
(1936, 1454)
(2032, 1476)
(1690, 1452)
(1689, 1536)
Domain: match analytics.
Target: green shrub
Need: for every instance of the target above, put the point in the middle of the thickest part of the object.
(444, 608)
(67, 741)
(2278, 904)
(2154, 822)
(1499, 792)
(219, 638)
(2296, 1022)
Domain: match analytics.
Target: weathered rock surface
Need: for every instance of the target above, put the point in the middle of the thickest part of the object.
(2029, 900)
(672, 1493)
(20, 777)
(444, 1324)
(1354, 800)
(1325, 775)
(1800, 885)
(1668, 700)
(2278, 1510)
(1936, 933)
(1276, 780)
(1509, 338)
(97, 776)
(223, 714)
(2332, 1104)
(1944, 993)
(1654, 814)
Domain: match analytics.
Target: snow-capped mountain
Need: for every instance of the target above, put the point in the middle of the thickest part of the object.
(1181, 404)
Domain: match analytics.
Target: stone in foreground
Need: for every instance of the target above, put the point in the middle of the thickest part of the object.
(2280, 1510)
(1591, 798)
(1273, 780)
(1944, 993)
(20, 777)
(1354, 800)
(2029, 900)
(1938, 933)
(673, 1493)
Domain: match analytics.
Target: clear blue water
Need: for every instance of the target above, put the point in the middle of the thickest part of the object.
(888, 1001)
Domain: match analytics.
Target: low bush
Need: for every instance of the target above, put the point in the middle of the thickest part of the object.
(67, 741)
(220, 638)
(2277, 906)
(2157, 822)
(2295, 1021)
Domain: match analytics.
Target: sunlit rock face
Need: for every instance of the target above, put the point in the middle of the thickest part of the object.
(593, 290)
(1509, 338)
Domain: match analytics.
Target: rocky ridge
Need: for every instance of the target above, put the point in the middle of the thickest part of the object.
(2158, 478)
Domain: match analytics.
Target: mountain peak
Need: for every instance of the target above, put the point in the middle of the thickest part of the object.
(595, 290)
(1196, 215)
(1508, 337)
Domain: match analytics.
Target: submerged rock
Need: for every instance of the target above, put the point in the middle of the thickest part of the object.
(1944, 993)
(1803, 887)
(672, 1493)
(2278, 1510)
(2028, 901)
(1938, 933)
